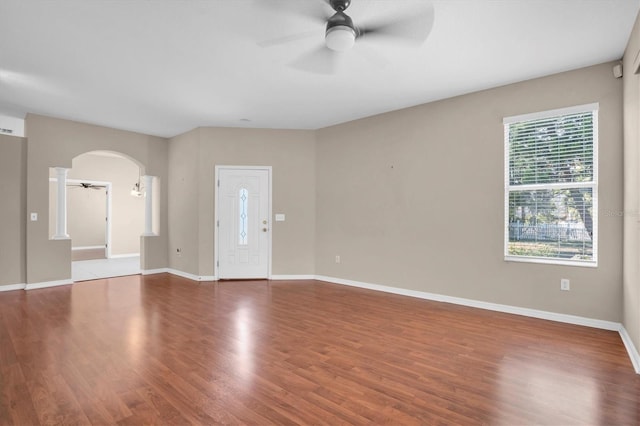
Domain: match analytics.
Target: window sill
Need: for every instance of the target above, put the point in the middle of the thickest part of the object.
(578, 263)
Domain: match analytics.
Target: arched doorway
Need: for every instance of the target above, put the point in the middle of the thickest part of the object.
(105, 214)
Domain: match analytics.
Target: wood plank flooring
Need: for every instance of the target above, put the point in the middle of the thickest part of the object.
(165, 350)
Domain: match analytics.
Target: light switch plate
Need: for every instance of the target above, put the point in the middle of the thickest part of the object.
(279, 217)
(34, 217)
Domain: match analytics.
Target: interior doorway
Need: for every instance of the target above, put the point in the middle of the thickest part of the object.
(105, 214)
(89, 219)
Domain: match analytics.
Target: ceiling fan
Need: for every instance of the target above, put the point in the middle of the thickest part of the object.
(341, 32)
(85, 185)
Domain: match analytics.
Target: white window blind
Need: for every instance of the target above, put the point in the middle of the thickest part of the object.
(551, 186)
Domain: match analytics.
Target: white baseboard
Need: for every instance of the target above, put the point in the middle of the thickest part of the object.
(631, 349)
(45, 284)
(534, 313)
(122, 256)
(208, 278)
(154, 271)
(179, 273)
(107, 275)
(292, 277)
(192, 276)
(11, 287)
(87, 248)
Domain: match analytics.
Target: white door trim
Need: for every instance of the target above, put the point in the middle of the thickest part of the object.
(108, 212)
(216, 234)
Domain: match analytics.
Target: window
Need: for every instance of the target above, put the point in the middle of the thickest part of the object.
(551, 186)
(243, 224)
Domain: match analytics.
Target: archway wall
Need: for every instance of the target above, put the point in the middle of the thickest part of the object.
(53, 142)
(13, 213)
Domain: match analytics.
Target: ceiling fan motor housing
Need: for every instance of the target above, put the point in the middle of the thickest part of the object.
(340, 5)
(340, 34)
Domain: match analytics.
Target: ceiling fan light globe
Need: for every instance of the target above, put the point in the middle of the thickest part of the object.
(340, 38)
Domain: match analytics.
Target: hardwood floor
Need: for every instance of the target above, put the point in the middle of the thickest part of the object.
(163, 349)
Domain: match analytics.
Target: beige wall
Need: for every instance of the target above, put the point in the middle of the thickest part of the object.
(86, 210)
(55, 142)
(13, 212)
(292, 157)
(86, 213)
(183, 211)
(631, 216)
(415, 199)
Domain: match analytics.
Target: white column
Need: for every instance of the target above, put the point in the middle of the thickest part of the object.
(148, 205)
(61, 207)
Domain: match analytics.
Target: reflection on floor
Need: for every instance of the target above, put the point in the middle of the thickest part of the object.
(104, 268)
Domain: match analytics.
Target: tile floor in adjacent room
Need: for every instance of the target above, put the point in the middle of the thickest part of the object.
(104, 268)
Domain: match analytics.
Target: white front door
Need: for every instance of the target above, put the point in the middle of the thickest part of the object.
(243, 227)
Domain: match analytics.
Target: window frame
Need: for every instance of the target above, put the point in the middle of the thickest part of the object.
(593, 108)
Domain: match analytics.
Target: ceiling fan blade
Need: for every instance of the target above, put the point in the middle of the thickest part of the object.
(319, 61)
(287, 39)
(372, 56)
(412, 28)
(317, 10)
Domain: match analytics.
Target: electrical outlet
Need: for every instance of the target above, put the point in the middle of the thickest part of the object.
(179, 252)
(565, 284)
(337, 259)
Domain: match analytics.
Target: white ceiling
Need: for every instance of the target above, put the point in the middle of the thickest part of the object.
(163, 67)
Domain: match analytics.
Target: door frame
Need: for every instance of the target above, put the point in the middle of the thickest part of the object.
(216, 234)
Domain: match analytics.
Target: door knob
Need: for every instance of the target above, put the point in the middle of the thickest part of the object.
(264, 229)
(264, 222)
